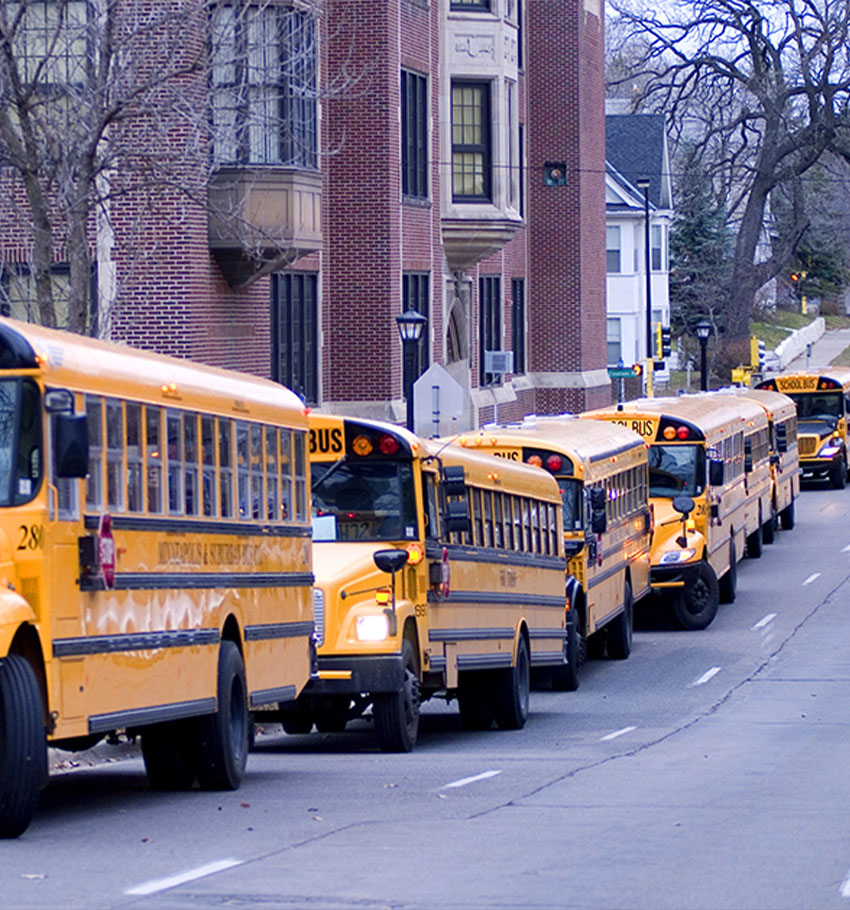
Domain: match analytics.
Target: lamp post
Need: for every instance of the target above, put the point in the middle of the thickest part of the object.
(410, 327)
(703, 330)
(643, 185)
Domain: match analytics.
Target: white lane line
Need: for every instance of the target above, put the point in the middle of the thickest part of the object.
(811, 578)
(763, 622)
(617, 733)
(470, 780)
(709, 674)
(845, 888)
(160, 884)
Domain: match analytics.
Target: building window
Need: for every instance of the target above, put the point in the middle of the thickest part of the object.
(414, 135)
(18, 297)
(612, 248)
(655, 247)
(471, 141)
(416, 295)
(263, 92)
(295, 328)
(490, 323)
(614, 338)
(477, 5)
(518, 324)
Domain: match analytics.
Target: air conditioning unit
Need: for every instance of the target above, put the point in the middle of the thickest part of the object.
(498, 361)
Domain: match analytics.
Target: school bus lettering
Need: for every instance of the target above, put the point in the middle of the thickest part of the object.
(507, 578)
(510, 454)
(326, 441)
(642, 427)
(32, 537)
(797, 383)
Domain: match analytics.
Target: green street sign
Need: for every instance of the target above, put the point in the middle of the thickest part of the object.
(621, 372)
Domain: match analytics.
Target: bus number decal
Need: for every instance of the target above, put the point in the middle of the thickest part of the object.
(32, 537)
(421, 610)
(326, 441)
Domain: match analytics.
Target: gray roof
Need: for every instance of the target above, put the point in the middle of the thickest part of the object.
(634, 145)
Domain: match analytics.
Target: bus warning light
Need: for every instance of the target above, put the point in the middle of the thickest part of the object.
(361, 445)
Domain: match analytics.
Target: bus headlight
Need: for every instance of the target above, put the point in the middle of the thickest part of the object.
(829, 449)
(674, 557)
(374, 627)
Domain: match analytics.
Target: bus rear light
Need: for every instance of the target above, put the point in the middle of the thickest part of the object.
(361, 445)
(669, 433)
(683, 433)
(535, 460)
(388, 444)
(554, 462)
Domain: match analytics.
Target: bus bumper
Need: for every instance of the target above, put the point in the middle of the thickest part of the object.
(663, 578)
(816, 468)
(354, 675)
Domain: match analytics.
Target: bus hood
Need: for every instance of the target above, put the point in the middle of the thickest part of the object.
(666, 548)
(348, 565)
(816, 427)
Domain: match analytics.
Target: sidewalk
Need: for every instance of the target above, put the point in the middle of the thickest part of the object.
(830, 345)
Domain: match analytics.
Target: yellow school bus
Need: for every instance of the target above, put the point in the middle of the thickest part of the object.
(699, 487)
(602, 472)
(438, 571)
(823, 405)
(784, 461)
(155, 559)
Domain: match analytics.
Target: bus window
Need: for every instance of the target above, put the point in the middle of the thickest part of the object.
(190, 454)
(208, 464)
(823, 406)
(478, 515)
(256, 470)
(94, 481)
(498, 521)
(225, 462)
(286, 475)
(572, 504)
(29, 443)
(509, 522)
(133, 412)
(115, 455)
(299, 445)
(153, 444)
(243, 470)
(272, 462)
(174, 462)
(676, 470)
(432, 526)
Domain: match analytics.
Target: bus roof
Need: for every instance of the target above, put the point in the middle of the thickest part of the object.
(89, 364)
(807, 380)
(776, 405)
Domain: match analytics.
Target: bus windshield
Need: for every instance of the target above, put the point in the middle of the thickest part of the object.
(20, 441)
(572, 503)
(363, 500)
(823, 406)
(676, 470)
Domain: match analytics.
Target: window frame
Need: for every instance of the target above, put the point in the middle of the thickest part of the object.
(483, 148)
(415, 158)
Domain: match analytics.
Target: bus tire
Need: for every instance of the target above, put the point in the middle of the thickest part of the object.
(729, 581)
(621, 628)
(565, 678)
(768, 529)
(786, 517)
(838, 474)
(512, 691)
(397, 713)
(754, 544)
(168, 750)
(696, 606)
(223, 739)
(23, 745)
(474, 699)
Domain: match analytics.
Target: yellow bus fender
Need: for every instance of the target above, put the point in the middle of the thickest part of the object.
(14, 612)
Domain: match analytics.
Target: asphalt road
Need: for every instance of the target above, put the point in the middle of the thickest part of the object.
(710, 770)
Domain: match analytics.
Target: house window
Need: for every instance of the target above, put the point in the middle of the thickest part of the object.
(415, 292)
(518, 324)
(471, 141)
(471, 5)
(612, 248)
(295, 330)
(655, 247)
(414, 134)
(490, 323)
(614, 338)
(263, 92)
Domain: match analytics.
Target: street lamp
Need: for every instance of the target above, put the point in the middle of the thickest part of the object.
(643, 185)
(703, 331)
(410, 327)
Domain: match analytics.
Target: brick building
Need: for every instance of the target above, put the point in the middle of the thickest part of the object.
(442, 155)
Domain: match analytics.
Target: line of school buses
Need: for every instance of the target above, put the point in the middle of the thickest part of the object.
(184, 550)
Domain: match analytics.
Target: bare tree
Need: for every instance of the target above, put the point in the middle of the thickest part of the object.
(762, 90)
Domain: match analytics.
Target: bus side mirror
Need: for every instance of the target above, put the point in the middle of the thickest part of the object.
(684, 505)
(456, 517)
(715, 473)
(454, 480)
(598, 518)
(748, 456)
(71, 445)
(781, 438)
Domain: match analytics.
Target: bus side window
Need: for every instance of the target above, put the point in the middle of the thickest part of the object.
(243, 471)
(115, 455)
(225, 466)
(94, 481)
(190, 454)
(429, 495)
(498, 521)
(133, 412)
(299, 446)
(286, 475)
(509, 522)
(208, 474)
(256, 470)
(272, 468)
(174, 461)
(153, 450)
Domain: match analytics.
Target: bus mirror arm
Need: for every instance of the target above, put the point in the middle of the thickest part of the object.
(391, 561)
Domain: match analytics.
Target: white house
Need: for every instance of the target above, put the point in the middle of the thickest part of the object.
(638, 177)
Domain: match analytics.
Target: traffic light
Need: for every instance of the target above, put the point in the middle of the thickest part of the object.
(761, 356)
(658, 353)
(757, 352)
(637, 369)
(666, 341)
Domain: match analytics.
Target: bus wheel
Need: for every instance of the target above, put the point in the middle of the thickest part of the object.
(397, 713)
(786, 517)
(620, 629)
(729, 581)
(565, 678)
(696, 606)
(223, 740)
(838, 474)
(754, 544)
(23, 746)
(475, 700)
(169, 753)
(512, 690)
(768, 529)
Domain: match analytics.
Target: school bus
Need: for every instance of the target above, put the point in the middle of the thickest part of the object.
(704, 452)
(822, 398)
(438, 571)
(155, 559)
(784, 461)
(602, 473)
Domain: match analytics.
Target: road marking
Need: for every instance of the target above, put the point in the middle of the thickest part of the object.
(160, 884)
(763, 621)
(470, 780)
(845, 888)
(709, 674)
(617, 733)
(811, 578)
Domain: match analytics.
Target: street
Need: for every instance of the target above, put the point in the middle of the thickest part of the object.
(707, 771)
